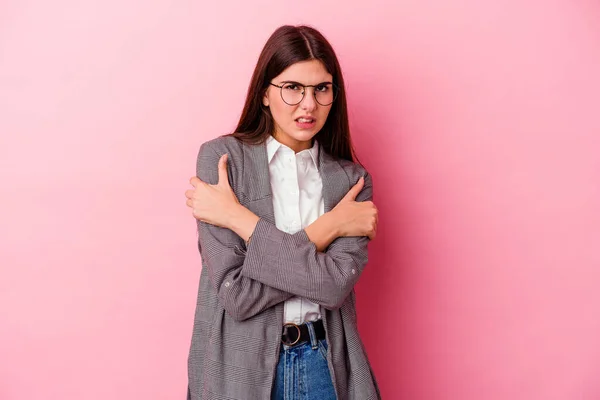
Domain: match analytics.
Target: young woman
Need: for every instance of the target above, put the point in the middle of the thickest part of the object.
(284, 218)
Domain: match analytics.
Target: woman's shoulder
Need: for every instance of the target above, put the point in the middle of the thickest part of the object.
(353, 169)
(223, 144)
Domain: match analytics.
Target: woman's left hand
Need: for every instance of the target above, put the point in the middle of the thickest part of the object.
(214, 204)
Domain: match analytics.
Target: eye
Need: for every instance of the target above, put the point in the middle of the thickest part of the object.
(322, 88)
(291, 86)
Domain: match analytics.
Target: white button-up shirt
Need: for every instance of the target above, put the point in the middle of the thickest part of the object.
(297, 201)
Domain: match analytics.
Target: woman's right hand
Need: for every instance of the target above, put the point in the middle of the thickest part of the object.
(356, 218)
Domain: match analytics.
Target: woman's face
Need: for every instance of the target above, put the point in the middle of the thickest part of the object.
(296, 125)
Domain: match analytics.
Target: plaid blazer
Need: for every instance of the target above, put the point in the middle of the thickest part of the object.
(239, 312)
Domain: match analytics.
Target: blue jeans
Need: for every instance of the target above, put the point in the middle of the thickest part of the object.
(302, 371)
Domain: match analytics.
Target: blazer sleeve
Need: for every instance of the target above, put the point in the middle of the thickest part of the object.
(291, 262)
(223, 255)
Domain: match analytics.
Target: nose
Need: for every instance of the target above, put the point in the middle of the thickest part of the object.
(309, 102)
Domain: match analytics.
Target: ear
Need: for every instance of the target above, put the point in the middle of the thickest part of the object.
(265, 100)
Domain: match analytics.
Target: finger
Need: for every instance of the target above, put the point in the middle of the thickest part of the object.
(223, 179)
(195, 181)
(354, 190)
(189, 203)
(189, 193)
(373, 231)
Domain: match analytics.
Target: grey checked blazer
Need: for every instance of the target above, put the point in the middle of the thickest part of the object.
(239, 312)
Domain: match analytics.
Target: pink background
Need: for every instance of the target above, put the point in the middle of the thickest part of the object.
(479, 121)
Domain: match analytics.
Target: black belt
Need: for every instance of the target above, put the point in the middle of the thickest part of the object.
(293, 333)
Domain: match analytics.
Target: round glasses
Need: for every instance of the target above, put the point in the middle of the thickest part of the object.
(292, 93)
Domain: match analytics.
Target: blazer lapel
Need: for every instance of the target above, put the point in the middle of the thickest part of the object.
(257, 181)
(335, 180)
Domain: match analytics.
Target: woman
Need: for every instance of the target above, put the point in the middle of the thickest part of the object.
(284, 218)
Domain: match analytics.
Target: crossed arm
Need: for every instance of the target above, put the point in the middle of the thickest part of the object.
(321, 262)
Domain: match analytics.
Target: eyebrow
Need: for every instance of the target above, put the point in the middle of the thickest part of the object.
(302, 84)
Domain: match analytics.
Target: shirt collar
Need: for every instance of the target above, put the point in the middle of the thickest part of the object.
(273, 146)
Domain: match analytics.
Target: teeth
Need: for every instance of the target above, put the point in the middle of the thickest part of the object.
(305, 120)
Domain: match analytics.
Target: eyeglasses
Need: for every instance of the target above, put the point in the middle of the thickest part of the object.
(292, 93)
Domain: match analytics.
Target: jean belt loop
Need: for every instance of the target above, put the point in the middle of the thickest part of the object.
(313, 335)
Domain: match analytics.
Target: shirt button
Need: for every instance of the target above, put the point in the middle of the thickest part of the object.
(227, 283)
(353, 271)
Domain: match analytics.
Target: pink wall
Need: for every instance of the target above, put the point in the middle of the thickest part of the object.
(478, 119)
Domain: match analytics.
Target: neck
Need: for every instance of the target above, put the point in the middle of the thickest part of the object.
(292, 143)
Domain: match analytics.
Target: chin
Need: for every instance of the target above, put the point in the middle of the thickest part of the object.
(303, 135)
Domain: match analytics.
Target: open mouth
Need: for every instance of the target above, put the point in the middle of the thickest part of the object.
(305, 120)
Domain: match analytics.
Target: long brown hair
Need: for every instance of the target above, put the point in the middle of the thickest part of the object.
(286, 46)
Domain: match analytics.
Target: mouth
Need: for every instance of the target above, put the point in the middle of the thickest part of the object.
(305, 120)
(307, 123)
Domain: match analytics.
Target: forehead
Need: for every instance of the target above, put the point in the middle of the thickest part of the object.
(307, 72)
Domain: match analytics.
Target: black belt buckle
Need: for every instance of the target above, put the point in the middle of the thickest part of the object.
(290, 336)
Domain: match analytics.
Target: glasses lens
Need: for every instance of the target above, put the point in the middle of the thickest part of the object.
(292, 93)
(325, 94)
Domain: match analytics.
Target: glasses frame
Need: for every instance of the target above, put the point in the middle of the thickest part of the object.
(334, 87)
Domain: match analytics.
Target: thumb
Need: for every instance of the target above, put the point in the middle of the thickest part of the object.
(355, 190)
(223, 179)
